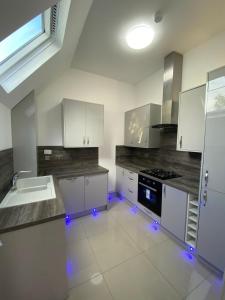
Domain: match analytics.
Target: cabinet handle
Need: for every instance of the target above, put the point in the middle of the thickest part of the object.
(164, 190)
(130, 178)
(130, 191)
(206, 177)
(84, 141)
(181, 141)
(205, 198)
(87, 181)
(88, 140)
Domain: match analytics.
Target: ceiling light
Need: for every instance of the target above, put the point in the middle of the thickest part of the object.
(140, 37)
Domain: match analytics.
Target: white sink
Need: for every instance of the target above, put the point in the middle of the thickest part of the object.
(30, 190)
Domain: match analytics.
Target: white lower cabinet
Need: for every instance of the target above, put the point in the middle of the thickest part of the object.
(174, 211)
(211, 242)
(84, 193)
(95, 192)
(33, 262)
(127, 184)
(72, 190)
(120, 181)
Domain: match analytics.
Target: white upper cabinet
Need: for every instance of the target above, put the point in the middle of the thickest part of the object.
(191, 121)
(214, 158)
(83, 124)
(94, 124)
(138, 126)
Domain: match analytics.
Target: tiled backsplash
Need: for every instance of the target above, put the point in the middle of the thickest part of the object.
(65, 158)
(165, 157)
(6, 171)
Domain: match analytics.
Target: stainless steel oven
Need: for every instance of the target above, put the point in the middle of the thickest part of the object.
(150, 194)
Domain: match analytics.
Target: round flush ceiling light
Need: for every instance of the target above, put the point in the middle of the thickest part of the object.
(140, 37)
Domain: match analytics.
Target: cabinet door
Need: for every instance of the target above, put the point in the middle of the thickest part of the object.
(72, 190)
(73, 123)
(96, 188)
(141, 132)
(214, 158)
(211, 242)
(191, 120)
(129, 128)
(131, 186)
(120, 181)
(94, 125)
(174, 211)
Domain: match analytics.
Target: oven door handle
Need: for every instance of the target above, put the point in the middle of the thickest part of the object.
(148, 187)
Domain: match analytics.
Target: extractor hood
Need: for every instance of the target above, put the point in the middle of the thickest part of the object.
(171, 89)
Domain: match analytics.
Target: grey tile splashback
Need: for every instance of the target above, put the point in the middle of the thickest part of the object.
(6, 171)
(186, 163)
(65, 158)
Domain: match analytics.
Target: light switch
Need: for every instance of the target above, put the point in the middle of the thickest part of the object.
(47, 151)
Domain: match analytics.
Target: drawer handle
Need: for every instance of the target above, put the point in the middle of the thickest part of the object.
(130, 178)
(130, 191)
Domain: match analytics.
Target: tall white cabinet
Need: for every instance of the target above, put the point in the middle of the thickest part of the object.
(191, 121)
(138, 126)
(211, 241)
(83, 124)
(174, 210)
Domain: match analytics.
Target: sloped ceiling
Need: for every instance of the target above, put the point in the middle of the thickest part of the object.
(103, 50)
(60, 62)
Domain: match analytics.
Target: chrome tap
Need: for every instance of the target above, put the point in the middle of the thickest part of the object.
(15, 177)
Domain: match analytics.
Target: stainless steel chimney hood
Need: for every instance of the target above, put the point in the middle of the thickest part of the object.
(171, 89)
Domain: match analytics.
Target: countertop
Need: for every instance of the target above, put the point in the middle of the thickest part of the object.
(21, 216)
(71, 172)
(186, 183)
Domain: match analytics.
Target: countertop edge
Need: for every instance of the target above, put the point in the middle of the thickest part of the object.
(169, 182)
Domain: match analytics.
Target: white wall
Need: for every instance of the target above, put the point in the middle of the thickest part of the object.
(196, 63)
(150, 89)
(5, 128)
(116, 96)
(200, 60)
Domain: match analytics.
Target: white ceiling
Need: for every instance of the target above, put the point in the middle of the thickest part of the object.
(102, 48)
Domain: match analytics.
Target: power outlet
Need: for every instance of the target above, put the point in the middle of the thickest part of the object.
(47, 151)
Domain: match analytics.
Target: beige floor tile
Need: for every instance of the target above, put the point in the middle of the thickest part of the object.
(75, 231)
(137, 279)
(94, 225)
(112, 248)
(172, 261)
(210, 289)
(95, 289)
(81, 262)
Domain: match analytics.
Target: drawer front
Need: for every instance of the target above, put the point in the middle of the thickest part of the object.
(131, 195)
(129, 174)
(131, 186)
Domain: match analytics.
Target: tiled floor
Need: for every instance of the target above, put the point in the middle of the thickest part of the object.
(120, 255)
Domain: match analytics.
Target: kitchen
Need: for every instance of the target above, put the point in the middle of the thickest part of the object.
(135, 182)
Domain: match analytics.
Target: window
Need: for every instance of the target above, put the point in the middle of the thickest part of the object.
(24, 51)
(21, 37)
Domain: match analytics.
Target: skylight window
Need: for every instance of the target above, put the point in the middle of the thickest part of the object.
(21, 37)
